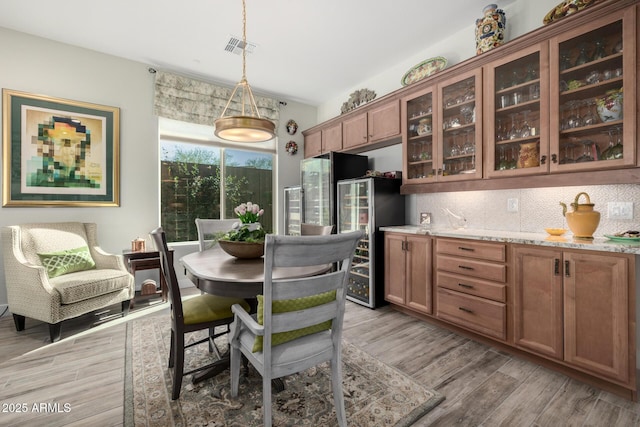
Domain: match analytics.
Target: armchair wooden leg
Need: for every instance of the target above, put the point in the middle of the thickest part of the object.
(19, 321)
(55, 331)
(125, 307)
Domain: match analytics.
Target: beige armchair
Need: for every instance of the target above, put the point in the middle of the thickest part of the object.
(77, 276)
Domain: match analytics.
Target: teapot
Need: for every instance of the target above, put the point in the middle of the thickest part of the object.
(583, 220)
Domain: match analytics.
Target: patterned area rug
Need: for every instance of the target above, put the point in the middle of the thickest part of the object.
(375, 394)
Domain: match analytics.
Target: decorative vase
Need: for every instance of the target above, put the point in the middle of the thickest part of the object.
(529, 156)
(243, 250)
(490, 28)
(424, 126)
(583, 220)
(610, 106)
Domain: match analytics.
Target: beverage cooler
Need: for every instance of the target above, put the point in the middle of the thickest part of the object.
(368, 204)
(319, 176)
(292, 210)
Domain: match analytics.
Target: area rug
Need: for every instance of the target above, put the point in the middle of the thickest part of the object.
(375, 394)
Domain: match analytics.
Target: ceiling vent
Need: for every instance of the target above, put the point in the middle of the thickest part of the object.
(235, 45)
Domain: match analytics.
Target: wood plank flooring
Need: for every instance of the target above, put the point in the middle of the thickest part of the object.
(483, 386)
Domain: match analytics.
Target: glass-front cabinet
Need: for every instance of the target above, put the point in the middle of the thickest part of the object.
(459, 133)
(442, 135)
(419, 148)
(516, 143)
(593, 87)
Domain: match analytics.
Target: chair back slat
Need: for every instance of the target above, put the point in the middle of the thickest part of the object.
(299, 288)
(315, 230)
(208, 228)
(312, 250)
(289, 321)
(167, 269)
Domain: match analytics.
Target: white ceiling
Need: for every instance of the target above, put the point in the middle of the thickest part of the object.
(308, 51)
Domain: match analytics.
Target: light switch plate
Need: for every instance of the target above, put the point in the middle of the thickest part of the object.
(620, 210)
(425, 218)
(512, 205)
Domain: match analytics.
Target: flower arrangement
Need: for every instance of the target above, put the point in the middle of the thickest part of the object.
(248, 229)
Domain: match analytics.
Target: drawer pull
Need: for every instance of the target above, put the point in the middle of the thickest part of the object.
(556, 267)
(465, 285)
(567, 272)
(462, 248)
(464, 267)
(466, 310)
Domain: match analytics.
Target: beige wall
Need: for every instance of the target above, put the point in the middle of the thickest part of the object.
(40, 66)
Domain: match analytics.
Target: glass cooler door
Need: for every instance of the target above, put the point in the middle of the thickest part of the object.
(355, 209)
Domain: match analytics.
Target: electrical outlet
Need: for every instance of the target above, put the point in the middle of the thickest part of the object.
(512, 205)
(620, 210)
(425, 218)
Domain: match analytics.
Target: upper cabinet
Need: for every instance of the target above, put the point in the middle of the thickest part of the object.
(517, 139)
(593, 95)
(377, 124)
(442, 132)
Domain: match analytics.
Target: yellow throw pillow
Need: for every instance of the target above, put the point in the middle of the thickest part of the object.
(296, 304)
(67, 261)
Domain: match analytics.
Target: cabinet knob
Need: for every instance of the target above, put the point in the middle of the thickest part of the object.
(543, 160)
(554, 158)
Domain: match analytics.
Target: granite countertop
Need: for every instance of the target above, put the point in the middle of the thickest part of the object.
(540, 239)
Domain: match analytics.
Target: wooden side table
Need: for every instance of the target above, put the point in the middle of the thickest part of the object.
(147, 260)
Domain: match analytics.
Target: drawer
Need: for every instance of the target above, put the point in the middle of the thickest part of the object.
(472, 286)
(472, 267)
(472, 249)
(478, 314)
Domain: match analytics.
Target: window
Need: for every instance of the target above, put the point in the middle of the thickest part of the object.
(208, 179)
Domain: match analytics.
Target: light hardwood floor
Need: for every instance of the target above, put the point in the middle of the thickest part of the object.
(483, 386)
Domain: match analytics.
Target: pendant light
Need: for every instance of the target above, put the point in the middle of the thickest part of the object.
(248, 126)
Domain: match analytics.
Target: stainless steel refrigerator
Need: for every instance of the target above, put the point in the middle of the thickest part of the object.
(368, 204)
(319, 176)
(292, 210)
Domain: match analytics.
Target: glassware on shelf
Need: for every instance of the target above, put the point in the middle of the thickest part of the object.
(514, 131)
(469, 146)
(599, 52)
(565, 61)
(467, 112)
(525, 129)
(583, 56)
(569, 153)
(587, 152)
(613, 151)
(501, 133)
(590, 117)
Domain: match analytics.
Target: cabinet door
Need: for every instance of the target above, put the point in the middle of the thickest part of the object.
(394, 268)
(313, 144)
(596, 295)
(418, 147)
(590, 66)
(538, 300)
(519, 103)
(332, 138)
(460, 131)
(354, 131)
(419, 273)
(384, 121)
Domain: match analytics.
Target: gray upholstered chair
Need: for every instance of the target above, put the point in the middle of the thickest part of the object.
(57, 271)
(209, 228)
(315, 230)
(301, 324)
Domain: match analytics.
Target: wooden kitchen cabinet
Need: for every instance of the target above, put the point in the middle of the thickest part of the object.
(587, 63)
(517, 143)
(332, 138)
(418, 148)
(576, 306)
(408, 268)
(471, 284)
(313, 144)
(378, 124)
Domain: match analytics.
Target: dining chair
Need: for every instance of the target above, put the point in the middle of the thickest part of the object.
(209, 228)
(298, 323)
(315, 230)
(197, 313)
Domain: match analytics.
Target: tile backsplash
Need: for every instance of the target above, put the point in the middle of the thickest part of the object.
(538, 208)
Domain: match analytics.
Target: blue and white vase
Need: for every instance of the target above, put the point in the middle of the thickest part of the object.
(490, 28)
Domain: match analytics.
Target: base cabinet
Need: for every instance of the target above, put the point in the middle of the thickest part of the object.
(408, 271)
(575, 306)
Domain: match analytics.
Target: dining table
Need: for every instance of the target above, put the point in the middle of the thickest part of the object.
(215, 272)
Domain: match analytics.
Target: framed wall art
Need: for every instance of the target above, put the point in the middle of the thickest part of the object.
(58, 152)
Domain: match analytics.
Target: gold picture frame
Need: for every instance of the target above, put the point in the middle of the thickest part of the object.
(59, 152)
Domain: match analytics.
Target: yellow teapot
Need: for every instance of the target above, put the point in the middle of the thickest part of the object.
(583, 220)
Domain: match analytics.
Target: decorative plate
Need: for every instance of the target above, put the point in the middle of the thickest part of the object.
(566, 8)
(424, 69)
(622, 239)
